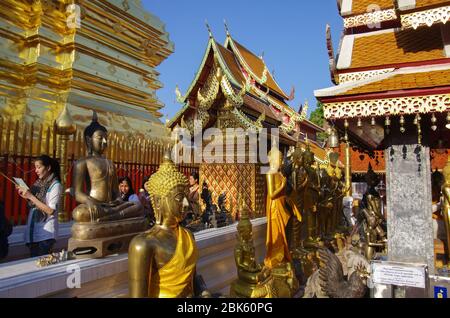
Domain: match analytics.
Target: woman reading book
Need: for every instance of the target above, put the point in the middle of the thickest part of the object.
(43, 200)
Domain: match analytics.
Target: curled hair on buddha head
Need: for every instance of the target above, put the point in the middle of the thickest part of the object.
(93, 127)
(161, 183)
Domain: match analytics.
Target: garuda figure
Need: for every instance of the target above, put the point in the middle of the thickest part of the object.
(370, 218)
(333, 281)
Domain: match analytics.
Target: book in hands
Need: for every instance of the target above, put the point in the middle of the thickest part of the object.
(21, 183)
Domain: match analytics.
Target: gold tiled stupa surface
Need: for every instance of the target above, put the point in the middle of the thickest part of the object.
(97, 54)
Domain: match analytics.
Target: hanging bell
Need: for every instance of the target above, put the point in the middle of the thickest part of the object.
(359, 123)
(333, 139)
(387, 121)
(433, 122)
(372, 121)
(448, 121)
(402, 122)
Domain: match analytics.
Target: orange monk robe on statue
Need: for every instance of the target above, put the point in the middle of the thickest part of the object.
(277, 248)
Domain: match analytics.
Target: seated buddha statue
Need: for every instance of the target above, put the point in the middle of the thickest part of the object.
(251, 279)
(162, 260)
(101, 212)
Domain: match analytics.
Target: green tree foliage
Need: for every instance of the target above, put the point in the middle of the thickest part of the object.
(318, 118)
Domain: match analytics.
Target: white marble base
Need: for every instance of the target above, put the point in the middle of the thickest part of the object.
(108, 277)
(18, 249)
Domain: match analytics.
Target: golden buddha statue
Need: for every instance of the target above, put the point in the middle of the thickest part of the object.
(337, 191)
(252, 281)
(311, 197)
(325, 204)
(277, 248)
(339, 195)
(104, 224)
(298, 180)
(162, 261)
(446, 205)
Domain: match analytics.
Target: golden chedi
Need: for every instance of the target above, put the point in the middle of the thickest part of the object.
(104, 223)
(162, 261)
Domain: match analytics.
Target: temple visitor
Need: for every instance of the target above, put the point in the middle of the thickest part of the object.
(43, 201)
(193, 197)
(437, 181)
(126, 190)
(144, 198)
(5, 231)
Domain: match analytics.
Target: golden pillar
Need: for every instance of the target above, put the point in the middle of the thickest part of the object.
(65, 127)
(348, 171)
(446, 207)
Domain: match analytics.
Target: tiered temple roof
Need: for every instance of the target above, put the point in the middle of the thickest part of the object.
(388, 69)
(363, 14)
(264, 103)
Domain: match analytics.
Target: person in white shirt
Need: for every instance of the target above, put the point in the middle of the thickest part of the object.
(43, 202)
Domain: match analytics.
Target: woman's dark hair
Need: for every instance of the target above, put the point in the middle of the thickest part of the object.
(125, 196)
(194, 175)
(144, 181)
(52, 163)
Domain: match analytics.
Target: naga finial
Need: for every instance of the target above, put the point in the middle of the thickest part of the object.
(227, 30)
(292, 94)
(209, 29)
(178, 94)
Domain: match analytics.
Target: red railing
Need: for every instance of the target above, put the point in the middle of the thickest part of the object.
(23, 167)
(20, 143)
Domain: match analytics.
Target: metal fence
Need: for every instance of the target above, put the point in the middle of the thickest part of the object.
(21, 143)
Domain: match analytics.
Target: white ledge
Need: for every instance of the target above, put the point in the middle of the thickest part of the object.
(23, 278)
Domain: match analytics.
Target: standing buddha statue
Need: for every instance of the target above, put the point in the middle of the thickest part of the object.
(446, 206)
(277, 248)
(311, 197)
(162, 261)
(298, 180)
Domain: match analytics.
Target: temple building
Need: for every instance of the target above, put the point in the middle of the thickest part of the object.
(234, 89)
(90, 55)
(391, 98)
(388, 48)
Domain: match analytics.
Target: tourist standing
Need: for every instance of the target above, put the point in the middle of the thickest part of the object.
(43, 202)
(193, 197)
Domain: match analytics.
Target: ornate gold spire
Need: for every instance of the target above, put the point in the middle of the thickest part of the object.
(64, 123)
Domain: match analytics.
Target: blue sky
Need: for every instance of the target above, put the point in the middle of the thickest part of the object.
(291, 33)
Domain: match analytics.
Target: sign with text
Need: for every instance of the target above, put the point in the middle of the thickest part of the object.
(388, 273)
